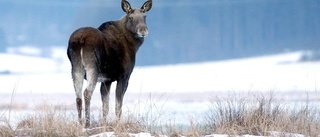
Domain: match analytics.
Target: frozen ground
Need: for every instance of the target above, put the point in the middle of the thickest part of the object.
(182, 90)
(280, 73)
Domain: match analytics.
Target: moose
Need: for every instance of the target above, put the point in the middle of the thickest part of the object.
(106, 54)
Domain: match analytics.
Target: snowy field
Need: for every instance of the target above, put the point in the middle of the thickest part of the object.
(280, 73)
(183, 91)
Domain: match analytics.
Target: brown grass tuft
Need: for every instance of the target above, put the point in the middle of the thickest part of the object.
(6, 131)
(48, 121)
(235, 115)
(260, 115)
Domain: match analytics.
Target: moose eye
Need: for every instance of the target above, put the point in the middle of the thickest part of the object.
(130, 19)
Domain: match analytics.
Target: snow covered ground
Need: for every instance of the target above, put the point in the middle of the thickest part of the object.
(184, 90)
(278, 72)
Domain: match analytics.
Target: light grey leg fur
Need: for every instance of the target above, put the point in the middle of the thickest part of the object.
(92, 81)
(77, 75)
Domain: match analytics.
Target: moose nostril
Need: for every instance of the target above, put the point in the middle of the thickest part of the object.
(142, 32)
(141, 29)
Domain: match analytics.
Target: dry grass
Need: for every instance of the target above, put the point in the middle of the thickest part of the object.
(49, 120)
(260, 115)
(236, 115)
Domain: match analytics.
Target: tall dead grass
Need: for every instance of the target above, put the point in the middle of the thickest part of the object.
(46, 120)
(235, 115)
(260, 115)
(57, 121)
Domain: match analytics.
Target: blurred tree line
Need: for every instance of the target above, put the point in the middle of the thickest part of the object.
(180, 31)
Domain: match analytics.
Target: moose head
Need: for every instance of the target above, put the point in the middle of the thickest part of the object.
(136, 18)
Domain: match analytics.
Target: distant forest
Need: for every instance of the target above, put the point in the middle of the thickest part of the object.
(180, 31)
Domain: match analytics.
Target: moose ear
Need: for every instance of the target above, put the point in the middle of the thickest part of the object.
(126, 7)
(146, 6)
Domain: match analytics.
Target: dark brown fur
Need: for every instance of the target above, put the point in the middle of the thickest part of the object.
(105, 55)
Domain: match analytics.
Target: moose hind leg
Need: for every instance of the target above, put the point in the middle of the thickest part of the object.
(92, 81)
(77, 75)
(105, 93)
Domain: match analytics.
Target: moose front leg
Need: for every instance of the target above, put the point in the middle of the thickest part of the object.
(105, 93)
(120, 91)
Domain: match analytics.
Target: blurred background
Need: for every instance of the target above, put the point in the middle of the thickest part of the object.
(196, 50)
(181, 31)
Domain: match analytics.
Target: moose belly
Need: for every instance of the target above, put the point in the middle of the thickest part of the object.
(105, 77)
